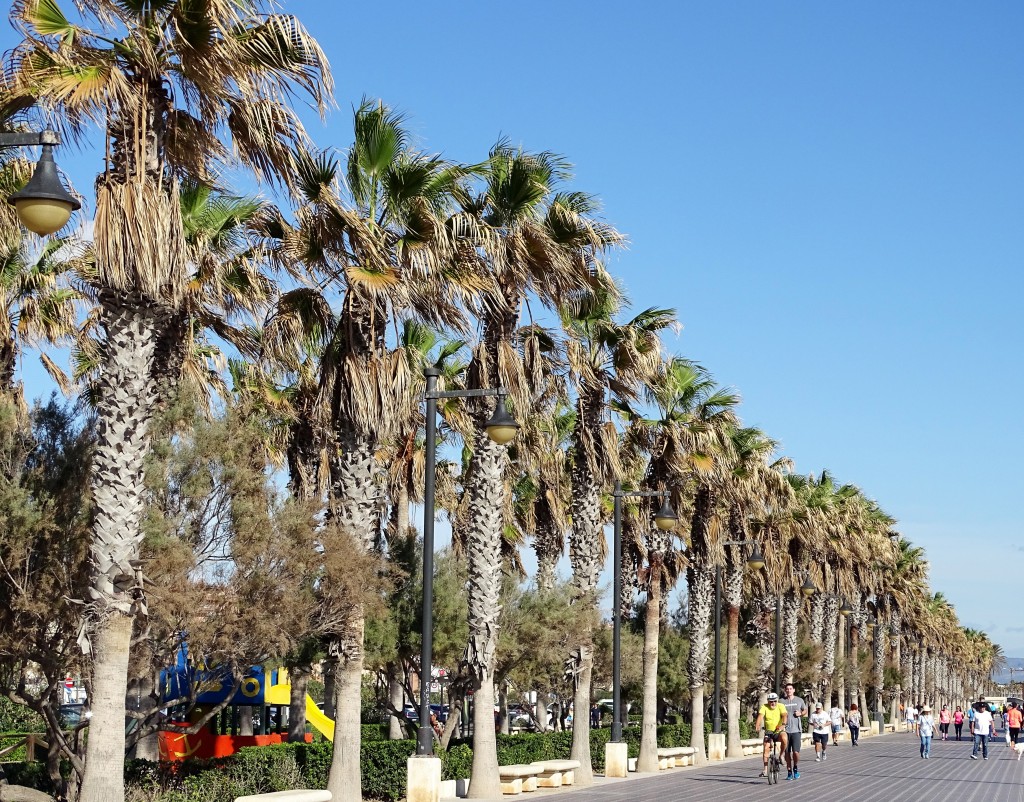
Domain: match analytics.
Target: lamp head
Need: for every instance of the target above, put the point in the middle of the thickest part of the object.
(666, 517)
(502, 427)
(756, 558)
(845, 609)
(43, 205)
(807, 588)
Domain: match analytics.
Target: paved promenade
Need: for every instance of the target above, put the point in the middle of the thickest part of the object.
(879, 769)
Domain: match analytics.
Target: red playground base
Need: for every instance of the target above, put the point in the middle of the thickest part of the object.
(175, 746)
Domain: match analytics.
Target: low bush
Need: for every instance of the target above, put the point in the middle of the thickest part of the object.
(280, 767)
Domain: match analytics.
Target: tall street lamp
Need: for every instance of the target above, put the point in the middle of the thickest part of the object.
(664, 519)
(42, 205)
(501, 428)
(755, 561)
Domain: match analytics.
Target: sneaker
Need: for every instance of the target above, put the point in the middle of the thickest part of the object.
(986, 758)
(817, 760)
(763, 774)
(789, 775)
(823, 756)
(974, 757)
(796, 774)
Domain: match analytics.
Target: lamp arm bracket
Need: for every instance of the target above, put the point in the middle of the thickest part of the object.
(19, 140)
(641, 494)
(485, 393)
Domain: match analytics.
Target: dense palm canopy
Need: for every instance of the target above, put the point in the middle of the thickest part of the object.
(330, 306)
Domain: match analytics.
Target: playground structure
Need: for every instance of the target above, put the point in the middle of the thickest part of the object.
(266, 692)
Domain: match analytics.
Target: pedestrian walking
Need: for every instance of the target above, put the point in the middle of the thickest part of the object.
(836, 717)
(853, 722)
(595, 715)
(958, 721)
(821, 728)
(925, 730)
(795, 710)
(981, 729)
(1013, 720)
(944, 717)
(911, 718)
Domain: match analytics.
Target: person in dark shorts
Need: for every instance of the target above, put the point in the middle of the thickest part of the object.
(821, 729)
(1013, 718)
(795, 711)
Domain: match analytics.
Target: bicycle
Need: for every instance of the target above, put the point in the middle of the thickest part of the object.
(774, 761)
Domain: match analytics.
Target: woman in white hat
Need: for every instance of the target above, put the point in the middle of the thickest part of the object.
(925, 729)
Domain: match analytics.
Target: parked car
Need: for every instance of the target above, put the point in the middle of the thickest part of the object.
(441, 711)
(411, 713)
(71, 715)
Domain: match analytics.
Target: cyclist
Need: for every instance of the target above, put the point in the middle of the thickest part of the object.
(772, 717)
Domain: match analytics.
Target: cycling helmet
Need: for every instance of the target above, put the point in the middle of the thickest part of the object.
(773, 697)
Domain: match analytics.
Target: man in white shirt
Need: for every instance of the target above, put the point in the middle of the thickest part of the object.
(836, 717)
(911, 718)
(821, 726)
(981, 727)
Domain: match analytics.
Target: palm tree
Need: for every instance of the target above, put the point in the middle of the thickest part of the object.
(604, 357)
(530, 240)
(752, 479)
(388, 254)
(176, 90)
(687, 443)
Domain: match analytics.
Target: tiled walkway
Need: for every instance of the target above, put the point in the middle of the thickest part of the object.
(879, 769)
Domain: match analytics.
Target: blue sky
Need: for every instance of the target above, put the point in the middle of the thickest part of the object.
(830, 194)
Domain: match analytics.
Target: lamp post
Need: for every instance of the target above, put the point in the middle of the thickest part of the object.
(501, 428)
(755, 561)
(664, 519)
(42, 205)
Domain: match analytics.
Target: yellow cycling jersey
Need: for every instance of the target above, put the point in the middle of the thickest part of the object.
(773, 716)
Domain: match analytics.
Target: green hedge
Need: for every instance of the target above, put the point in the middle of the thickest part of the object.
(279, 767)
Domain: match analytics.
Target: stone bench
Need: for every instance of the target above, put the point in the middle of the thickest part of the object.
(555, 773)
(518, 778)
(296, 795)
(672, 756)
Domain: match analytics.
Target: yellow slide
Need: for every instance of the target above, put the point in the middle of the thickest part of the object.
(282, 694)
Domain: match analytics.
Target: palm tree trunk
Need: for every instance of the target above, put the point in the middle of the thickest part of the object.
(123, 415)
(842, 649)
(761, 627)
(700, 580)
(485, 491)
(830, 630)
(816, 622)
(733, 597)
(647, 761)
(791, 604)
(299, 677)
(104, 755)
(396, 696)
(585, 548)
(878, 667)
(344, 779)
(580, 749)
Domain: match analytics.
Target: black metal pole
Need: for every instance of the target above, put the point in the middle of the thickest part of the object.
(425, 733)
(718, 649)
(778, 643)
(617, 614)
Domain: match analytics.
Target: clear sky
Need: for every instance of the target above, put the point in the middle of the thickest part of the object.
(830, 194)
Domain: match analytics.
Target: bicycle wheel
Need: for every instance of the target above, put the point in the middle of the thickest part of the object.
(773, 770)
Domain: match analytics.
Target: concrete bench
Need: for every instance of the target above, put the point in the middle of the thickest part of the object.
(519, 777)
(752, 746)
(556, 773)
(297, 795)
(670, 757)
